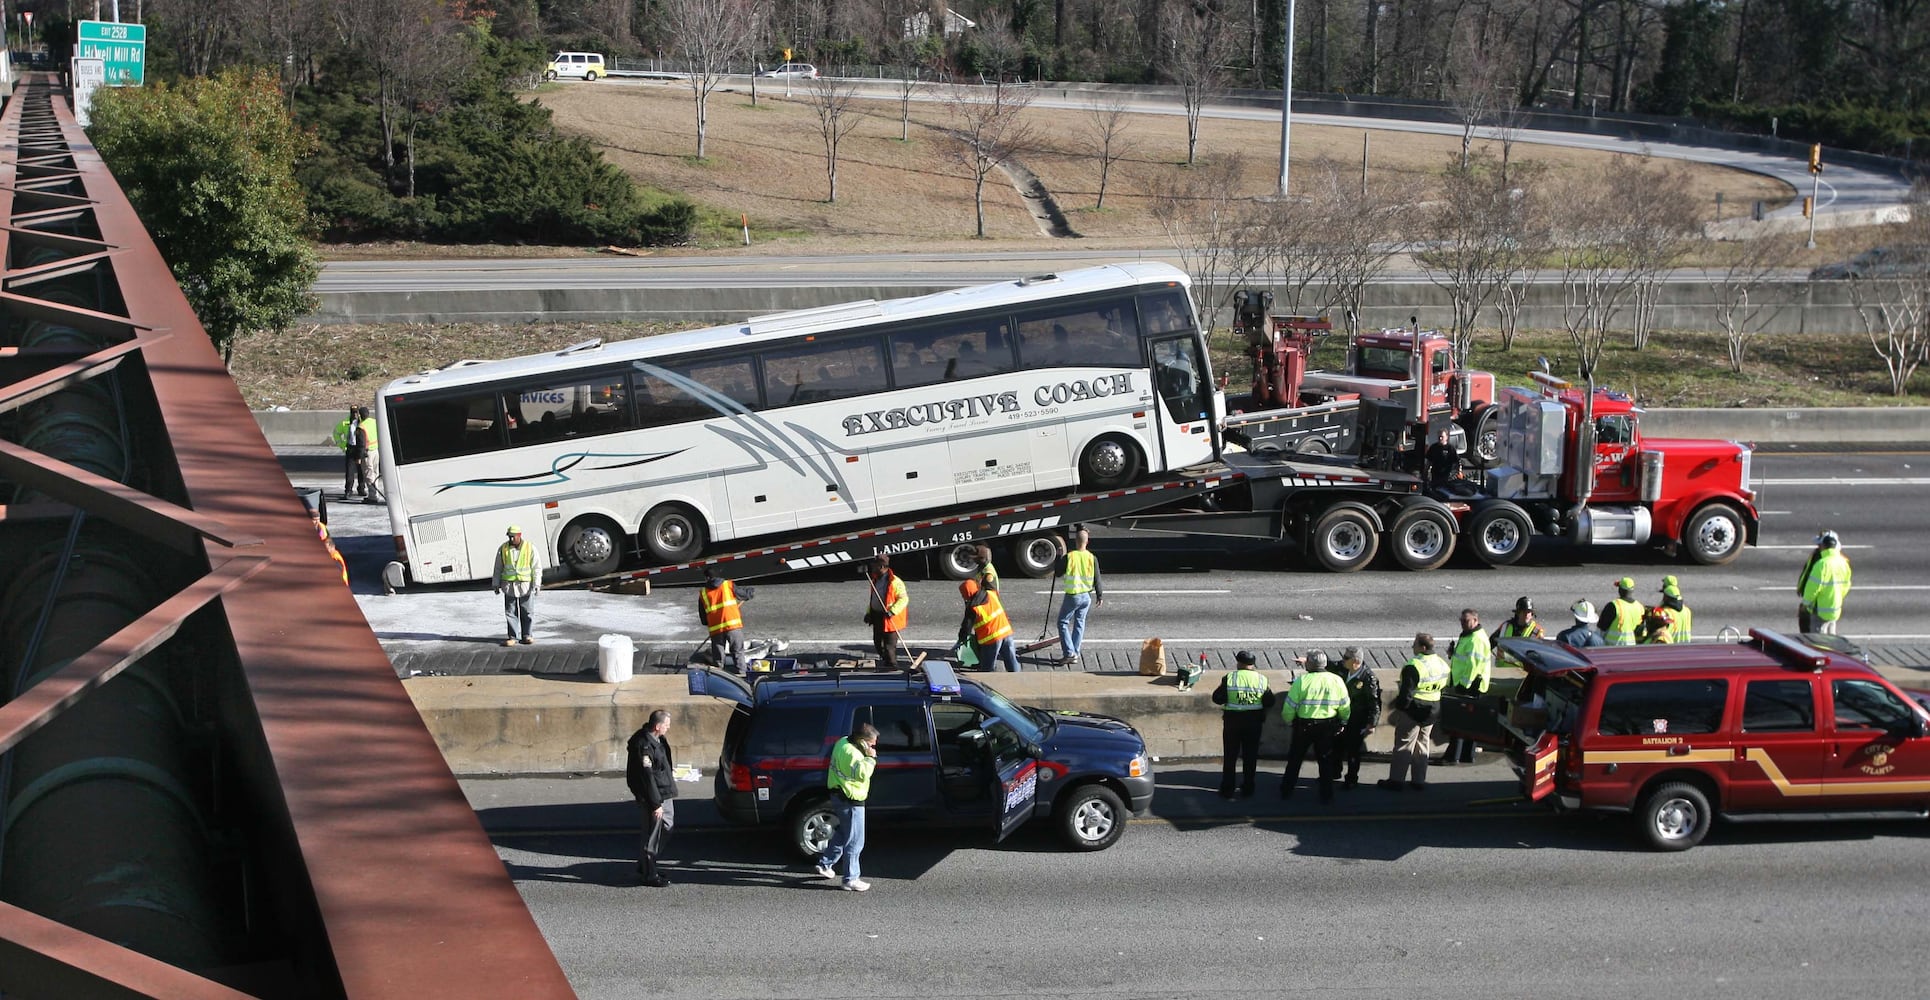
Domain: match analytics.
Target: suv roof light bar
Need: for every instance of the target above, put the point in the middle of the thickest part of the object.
(1793, 653)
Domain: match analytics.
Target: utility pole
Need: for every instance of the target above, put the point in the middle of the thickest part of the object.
(1286, 101)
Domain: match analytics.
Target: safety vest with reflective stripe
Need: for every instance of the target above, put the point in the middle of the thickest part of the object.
(991, 625)
(1826, 585)
(1316, 695)
(1628, 618)
(342, 437)
(850, 770)
(1532, 630)
(987, 577)
(1433, 672)
(1245, 690)
(368, 428)
(894, 604)
(1473, 663)
(1081, 567)
(1681, 632)
(720, 608)
(518, 563)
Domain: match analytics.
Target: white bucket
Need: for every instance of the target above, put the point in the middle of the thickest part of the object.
(613, 658)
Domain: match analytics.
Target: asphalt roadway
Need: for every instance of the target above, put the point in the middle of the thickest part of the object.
(1449, 893)
(1215, 596)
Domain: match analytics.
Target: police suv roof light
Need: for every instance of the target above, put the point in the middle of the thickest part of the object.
(1793, 653)
(940, 679)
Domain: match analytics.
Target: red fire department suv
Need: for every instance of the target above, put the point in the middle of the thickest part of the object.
(1770, 727)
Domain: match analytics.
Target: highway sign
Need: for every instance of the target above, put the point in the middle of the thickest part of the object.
(121, 48)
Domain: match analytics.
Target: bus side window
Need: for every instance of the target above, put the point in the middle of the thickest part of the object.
(1166, 312)
(1102, 336)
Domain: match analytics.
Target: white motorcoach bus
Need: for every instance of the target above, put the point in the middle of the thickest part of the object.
(791, 423)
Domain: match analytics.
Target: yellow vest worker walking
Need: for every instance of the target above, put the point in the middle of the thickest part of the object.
(1317, 705)
(518, 577)
(849, 778)
(721, 603)
(1243, 699)
(1470, 668)
(1824, 586)
(1623, 615)
(1414, 707)
(1083, 593)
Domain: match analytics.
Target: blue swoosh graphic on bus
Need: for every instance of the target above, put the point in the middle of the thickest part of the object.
(559, 469)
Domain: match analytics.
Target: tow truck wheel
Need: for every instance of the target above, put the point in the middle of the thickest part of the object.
(591, 546)
(1091, 818)
(1313, 446)
(1109, 461)
(673, 533)
(1344, 540)
(1714, 536)
(1675, 817)
(1034, 556)
(1500, 532)
(1422, 538)
(958, 562)
(812, 826)
(1484, 439)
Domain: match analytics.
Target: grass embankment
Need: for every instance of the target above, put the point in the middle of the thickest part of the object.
(330, 367)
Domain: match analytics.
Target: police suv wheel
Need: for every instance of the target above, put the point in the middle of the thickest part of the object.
(812, 827)
(1675, 817)
(1714, 536)
(1091, 818)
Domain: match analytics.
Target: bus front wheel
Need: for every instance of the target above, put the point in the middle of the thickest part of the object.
(591, 547)
(1108, 462)
(673, 534)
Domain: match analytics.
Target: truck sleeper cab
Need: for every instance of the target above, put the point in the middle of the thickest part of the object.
(1772, 727)
(951, 752)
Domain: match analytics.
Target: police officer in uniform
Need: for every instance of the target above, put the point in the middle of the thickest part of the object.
(1243, 698)
(1317, 705)
(1363, 711)
(650, 773)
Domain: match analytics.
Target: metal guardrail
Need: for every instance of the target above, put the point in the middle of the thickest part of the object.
(211, 784)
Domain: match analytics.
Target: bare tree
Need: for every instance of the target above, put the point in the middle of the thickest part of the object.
(1895, 313)
(983, 127)
(1742, 306)
(1220, 235)
(909, 84)
(1348, 235)
(1470, 228)
(1107, 120)
(1594, 280)
(1659, 226)
(708, 34)
(1201, 41)
(833, 100)
(426, 78)
(1473, 83)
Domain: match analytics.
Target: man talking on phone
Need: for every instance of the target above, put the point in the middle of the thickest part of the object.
(849, 778)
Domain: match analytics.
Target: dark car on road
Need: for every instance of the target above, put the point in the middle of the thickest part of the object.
(951, 752)
(1879, 263)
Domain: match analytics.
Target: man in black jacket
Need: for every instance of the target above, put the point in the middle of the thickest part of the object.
(651, 781)
(1363, 689)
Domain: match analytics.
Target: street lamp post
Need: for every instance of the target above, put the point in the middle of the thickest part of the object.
(1286, 101)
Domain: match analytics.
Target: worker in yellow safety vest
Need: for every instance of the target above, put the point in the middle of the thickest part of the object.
(518, 577)
(1824, 586)
(849, 778)
(1680, 629)
(987, 628)
(1083, 593)
(1623, 615)
(1415, 704)
(1243, 699)
(1470, 669)
(371, 455)
(347, 438)
(1316, 705)
(721, 603)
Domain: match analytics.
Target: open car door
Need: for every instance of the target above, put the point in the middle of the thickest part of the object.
(713, 683)
(1014, 775)
(1538, 777)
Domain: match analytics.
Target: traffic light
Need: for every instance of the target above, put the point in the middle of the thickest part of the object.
(1815, 158)
(1812, 156)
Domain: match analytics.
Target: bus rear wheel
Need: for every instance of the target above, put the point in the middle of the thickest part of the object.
(1109, 461)
(673, 533)
(591, 546)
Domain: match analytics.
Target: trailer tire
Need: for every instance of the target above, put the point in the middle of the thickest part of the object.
(1034, 556)
(1344, 540)
(958, 561)
(673, 533)
(1422, 537)
(1484, 438)
(590, 546)
(1499, 532)
(1313, 446)
(1714, 536)
(1110, 460)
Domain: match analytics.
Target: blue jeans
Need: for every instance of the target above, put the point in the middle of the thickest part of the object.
(848, 842)
(1072, 621)
(1004, 652)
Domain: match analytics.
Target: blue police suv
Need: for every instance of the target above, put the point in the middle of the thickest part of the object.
(951, 752)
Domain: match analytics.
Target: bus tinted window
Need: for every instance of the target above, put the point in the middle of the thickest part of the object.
(548, 413)
(1104, 335)
(959, 350)
(1166, 312)
(812, 372)
(440, 428)
(690, 391)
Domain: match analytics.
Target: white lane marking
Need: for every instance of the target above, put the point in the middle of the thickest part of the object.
(1110, 591)
(1767, 513)
(1844, 481)
(1874, 586)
